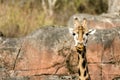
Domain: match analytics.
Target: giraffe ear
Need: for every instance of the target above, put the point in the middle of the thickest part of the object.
(91, 31)
(71, 30)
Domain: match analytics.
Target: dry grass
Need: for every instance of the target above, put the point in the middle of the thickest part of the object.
(16, 21)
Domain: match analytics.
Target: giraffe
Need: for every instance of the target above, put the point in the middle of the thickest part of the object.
(80, 34)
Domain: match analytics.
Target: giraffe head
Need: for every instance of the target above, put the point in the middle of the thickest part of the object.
(80, 33)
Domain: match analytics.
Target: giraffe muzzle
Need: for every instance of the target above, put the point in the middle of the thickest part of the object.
(80, 46)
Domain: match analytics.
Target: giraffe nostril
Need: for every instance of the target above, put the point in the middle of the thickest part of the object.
(73, 34)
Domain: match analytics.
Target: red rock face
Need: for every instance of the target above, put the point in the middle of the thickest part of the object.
(49, 54)
(103, 24)
(94, 52)
(35, 61)
(104, 61)
(103, 52)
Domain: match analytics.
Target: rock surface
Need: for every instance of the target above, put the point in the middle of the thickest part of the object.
(104, 21)
(48, 54)
(114, 7)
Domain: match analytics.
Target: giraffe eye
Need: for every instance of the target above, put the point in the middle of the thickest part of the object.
(73, 34)
(87, 34)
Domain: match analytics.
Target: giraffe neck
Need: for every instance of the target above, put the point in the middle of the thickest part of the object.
(83, 66)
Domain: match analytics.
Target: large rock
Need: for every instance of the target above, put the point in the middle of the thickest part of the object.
(46, 51)
(9, 48)
(50, 51)
(49, 54)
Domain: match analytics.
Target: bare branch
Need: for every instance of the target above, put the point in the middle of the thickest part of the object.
(44, 5)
